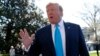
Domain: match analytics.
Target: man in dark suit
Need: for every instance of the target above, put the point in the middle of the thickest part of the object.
(69, 41)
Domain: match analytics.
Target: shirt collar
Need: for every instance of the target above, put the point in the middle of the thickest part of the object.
(61, 24)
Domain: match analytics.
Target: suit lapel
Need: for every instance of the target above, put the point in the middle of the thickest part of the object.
(50, 40)
(66, 37)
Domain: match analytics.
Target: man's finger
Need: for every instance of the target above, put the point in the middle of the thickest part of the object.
(21, 33)
(26, 33)
(20, 39)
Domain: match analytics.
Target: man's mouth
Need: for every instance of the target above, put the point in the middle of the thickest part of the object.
(51, 17)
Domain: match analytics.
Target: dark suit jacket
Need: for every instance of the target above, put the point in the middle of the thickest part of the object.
(75, 43)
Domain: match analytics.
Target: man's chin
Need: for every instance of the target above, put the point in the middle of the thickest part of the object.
(53, 22)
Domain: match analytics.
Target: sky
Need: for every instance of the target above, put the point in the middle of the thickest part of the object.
(72, 9)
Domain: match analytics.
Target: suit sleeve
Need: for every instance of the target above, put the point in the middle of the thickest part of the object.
(82, 45)
(35, 48)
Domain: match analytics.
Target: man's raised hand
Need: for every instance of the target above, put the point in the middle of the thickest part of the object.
(26, 39)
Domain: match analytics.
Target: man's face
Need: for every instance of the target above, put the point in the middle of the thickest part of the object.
(54, 13)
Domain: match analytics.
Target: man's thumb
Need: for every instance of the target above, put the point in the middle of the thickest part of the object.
(33, 36)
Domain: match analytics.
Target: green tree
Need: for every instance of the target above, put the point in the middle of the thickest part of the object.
(19, 14)
(1, 42)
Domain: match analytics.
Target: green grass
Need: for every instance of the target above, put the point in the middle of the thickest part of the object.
(93, 53)
(4, 54)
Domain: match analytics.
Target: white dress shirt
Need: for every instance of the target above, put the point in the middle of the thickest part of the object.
(62, 30)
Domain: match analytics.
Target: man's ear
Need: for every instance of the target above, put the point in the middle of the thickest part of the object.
(62, 14)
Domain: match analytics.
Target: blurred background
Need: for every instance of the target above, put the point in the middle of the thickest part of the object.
(31, 14)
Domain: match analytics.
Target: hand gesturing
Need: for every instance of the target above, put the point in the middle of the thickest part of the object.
(26, 38)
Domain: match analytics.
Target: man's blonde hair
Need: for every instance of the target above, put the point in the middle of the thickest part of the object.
(60, 7)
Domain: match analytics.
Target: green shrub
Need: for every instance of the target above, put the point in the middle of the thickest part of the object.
(5, 55)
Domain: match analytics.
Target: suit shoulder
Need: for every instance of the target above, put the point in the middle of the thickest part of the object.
(71, 24)
(43, 28)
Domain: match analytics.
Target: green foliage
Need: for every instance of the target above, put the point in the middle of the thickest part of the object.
(16, 15)
(1, 42)
(4, 54)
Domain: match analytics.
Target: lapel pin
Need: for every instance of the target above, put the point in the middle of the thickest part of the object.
(68, 27)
